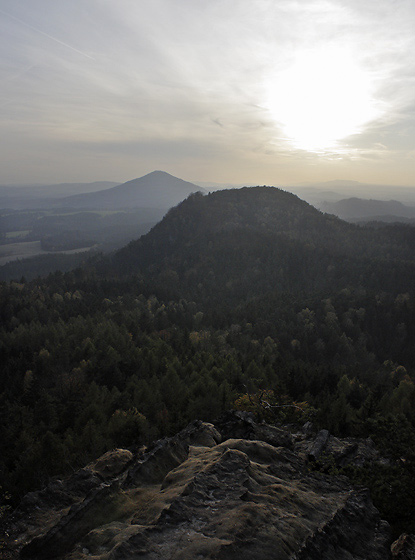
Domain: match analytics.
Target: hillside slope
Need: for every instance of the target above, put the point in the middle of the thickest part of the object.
(358, 208)
(46, 196)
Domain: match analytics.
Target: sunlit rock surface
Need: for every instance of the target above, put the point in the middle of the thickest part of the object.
(205, 493)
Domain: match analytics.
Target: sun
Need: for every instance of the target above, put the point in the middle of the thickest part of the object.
(321, 98)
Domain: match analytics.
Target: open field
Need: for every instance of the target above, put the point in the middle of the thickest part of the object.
(15, 251)
(17, 234)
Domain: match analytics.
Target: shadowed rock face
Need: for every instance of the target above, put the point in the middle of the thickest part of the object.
(404, 548)
(195, 496)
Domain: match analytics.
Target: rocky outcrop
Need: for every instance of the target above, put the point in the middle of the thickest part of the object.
(341, 452)
(319, 444)
(242, 425)
(168, 453)
(205, 493)
(111, 463)
(404, 548)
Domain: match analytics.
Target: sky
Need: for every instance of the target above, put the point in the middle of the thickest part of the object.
(234, 91)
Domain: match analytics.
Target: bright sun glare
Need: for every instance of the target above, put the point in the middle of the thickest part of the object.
(323, 97)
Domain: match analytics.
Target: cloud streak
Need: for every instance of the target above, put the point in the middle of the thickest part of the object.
(55, 39)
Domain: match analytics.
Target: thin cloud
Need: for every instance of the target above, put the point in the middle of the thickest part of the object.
(46, 35)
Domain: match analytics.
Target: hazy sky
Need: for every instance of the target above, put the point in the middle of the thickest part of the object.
(243, 91)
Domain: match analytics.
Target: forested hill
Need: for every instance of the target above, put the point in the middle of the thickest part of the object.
(239, 243)
(254, 209)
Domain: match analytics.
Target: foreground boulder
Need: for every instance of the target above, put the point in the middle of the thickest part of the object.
(204, 494)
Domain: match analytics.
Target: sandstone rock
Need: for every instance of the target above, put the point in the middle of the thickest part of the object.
(40, 511)
(201, 433)
(318, 445)
(365, 537)
(153, 466)
(307, 428)
(341, 452)
(242, 425)
(168, 453)
(352, 450)
(195, 496)
(111, 463)
(249, 500)
(404, 548)
(61, 538)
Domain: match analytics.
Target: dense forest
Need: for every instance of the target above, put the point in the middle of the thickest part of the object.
(231, 295)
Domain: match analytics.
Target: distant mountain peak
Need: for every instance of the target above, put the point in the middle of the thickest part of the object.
(156, 173)
(157, 189)
(159, 172)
